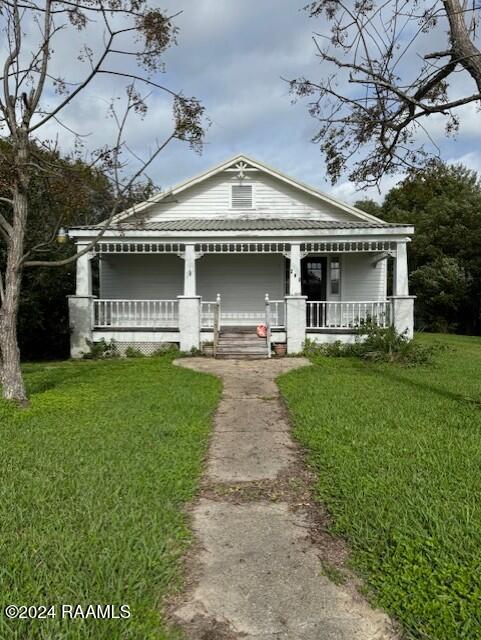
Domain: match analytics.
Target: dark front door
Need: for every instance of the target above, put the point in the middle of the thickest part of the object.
(314, 278)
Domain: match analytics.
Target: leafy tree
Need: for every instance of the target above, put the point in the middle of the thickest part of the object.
(444, 204)
(442, 287)
(80, 194)
(369, 206)
(77, 194)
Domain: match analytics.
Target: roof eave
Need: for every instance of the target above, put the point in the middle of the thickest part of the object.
(203, 236)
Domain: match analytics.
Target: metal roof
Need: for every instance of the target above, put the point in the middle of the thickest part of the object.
(245, 224)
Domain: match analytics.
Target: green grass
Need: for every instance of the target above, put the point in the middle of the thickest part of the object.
(398, 456)
(93, 477)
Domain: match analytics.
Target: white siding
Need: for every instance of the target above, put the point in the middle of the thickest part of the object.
(271, 198)
(242, 281)
(359, 280)
(140, 277)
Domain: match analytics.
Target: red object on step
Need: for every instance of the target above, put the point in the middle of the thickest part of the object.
(261, 330)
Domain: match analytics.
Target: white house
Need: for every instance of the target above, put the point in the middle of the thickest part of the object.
(239, 245)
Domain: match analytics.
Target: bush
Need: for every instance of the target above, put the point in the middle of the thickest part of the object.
(101, 350)
(132, 352)
(376, 344)
(167, 347)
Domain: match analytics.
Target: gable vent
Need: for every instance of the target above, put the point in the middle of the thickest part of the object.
(242, 196)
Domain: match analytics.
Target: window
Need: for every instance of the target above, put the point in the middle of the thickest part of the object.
(241, 196)
(335, 275)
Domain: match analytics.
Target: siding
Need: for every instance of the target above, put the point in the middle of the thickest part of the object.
(142, 277)
(271, 197)
(242, 281)
(359, 280)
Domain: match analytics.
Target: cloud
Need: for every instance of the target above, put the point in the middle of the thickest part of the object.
(234, 56)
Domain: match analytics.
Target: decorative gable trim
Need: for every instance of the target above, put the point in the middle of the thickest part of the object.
(243, 164)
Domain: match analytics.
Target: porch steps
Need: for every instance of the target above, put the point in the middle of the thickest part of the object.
(241, 344)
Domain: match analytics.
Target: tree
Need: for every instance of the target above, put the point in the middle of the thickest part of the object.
(382, 84)
(444, 204)
(128, 43)
(369, 206)
(442, 286)
(82, 194)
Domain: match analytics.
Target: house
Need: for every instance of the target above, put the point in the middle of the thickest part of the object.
(237, 246)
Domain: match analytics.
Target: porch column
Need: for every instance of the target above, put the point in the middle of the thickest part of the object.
(295, 323)
(402, 304)
(189, 304)
(189, 270)
(81, 307)
(401, 286)
(295, 270)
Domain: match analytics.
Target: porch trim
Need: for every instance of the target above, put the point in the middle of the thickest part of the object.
(361, 246)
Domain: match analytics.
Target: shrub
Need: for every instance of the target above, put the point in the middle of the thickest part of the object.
(168, 347)
(101, 350)
(132, 352)
(377, 344)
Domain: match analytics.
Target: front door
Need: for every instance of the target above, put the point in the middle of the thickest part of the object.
(314, 278)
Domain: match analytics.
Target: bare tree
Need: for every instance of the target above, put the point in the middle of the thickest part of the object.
(121, 39)
(383, 82)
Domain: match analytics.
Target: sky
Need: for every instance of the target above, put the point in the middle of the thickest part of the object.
(235, 56)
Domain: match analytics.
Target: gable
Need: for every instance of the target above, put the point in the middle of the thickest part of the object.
(222, 193)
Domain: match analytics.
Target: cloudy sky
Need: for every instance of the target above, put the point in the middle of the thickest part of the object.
(233, 56)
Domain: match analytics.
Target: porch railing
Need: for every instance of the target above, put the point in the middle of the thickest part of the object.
(347, 315)
(277, 313)
(207, 314)
(145, 314)
(210, 313)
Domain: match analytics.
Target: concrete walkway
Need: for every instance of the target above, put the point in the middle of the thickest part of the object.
(260, 566)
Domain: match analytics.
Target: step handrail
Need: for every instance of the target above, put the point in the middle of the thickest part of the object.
(216, 324)
(268, 325)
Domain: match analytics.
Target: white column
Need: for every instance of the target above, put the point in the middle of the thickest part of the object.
(295, 270)
(295, 323)
(81, 306)
(80, 309)
(402, 303)
(189, 304)
(189, 322)
(189, 270)
(84, 273)
(400, 284)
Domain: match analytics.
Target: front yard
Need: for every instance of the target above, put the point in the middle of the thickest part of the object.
(398, 456)
(95, 473)
(92, 480)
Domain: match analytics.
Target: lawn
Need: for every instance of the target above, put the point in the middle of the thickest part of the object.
(93, 479)
(398, 456)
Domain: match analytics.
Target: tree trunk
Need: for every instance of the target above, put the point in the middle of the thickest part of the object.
(12, 379)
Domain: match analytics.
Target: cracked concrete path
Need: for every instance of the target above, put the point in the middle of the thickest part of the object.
(256, 571)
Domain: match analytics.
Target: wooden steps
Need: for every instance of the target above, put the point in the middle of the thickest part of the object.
(241, 343)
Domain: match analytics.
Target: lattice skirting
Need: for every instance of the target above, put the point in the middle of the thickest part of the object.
(147, 348)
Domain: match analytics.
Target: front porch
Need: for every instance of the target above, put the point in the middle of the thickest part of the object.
(318, 290)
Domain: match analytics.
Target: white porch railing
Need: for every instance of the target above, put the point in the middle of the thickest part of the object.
(277, 314)
(230, 318)
(136, 314)
(347, 315)
(207, 314)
